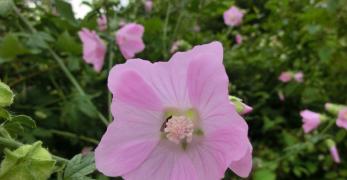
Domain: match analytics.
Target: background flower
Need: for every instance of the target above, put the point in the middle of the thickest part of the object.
(129, 40)
(93, 48)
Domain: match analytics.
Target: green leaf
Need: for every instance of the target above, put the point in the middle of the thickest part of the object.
(5, 7)
(80, 166)
(10, 47)
(4, 115)
(264, 174)
(6, 95)
(14, 128)
(27, 162)
(68, 44)
(39, 40)
(24, 120)
(65, 10)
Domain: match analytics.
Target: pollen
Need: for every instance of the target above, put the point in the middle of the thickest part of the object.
(178, 129)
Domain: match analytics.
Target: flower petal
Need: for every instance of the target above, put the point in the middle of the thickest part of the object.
(167, 161)
(127, 141)
(207, 82)
(243, 166)
(128, 86)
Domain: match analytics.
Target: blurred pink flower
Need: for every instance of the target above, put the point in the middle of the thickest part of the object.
(148, 5)
(102, 23)
(311, 120)
(342, 119)
(233, 16)
(335, 154)
(238, 39)
(285, 76)
(171, 124)
(299, 76)
(93, 48)
(129, 40)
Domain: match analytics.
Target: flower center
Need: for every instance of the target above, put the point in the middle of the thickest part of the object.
(179, 128)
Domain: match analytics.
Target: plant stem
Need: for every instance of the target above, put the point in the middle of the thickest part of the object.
(72, 135)
(63, 67)
(16, 144)
(164, 43)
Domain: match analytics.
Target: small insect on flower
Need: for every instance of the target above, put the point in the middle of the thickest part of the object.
(94, 48)
(174, 120)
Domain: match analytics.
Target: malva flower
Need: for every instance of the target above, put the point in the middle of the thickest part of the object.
(342, 118)
(311, 120)
(285, 77)
(94, 48)
(102, 23)
(174, 120)
(129, 40)
(333, 150)
(238, 39)
(148, 5)
(299, 76)
(233, 16)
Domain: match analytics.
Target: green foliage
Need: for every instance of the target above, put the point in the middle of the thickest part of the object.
(79, 167)
(6, 95)
(27, 162)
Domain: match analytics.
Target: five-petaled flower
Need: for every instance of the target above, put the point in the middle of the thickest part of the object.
(173, 120)
(233, 16)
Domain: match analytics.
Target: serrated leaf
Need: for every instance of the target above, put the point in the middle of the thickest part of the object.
(14, 128)
(24, 120)
(65, 10)
(27, 162)
(10, 47)
(79, 167)
(68, 44)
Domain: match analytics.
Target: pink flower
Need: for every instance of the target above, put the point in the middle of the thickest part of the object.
(233, 16)
(148, 5)
(285, 76)
(174, 120)
(102, 23)
(238, 39)
(299, 76)
(93, 48)
(129, 40)
(342, 119)
(335, 154)
(310, 119)
(243, 166)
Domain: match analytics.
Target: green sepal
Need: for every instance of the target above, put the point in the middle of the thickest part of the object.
(30, 162)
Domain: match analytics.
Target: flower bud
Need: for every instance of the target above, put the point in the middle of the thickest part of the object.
(240, 107)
